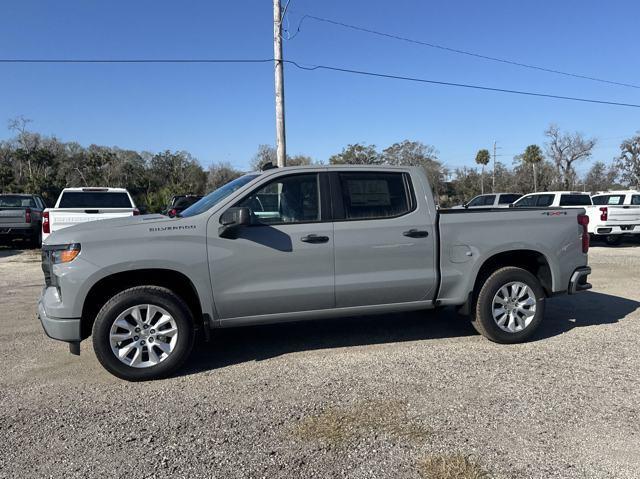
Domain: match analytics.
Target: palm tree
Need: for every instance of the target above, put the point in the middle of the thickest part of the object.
(482, 158)
(533, 155)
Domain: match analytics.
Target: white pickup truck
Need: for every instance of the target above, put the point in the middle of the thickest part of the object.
(608, 222)
(80, 205)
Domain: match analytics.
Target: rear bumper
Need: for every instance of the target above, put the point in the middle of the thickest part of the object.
(578, 280)
(67, 329)
(17, 232)
(617, 229)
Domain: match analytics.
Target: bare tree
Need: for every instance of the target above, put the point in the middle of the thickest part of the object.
(629, 160)
(482, 158)
(565, 149)
(600, 177)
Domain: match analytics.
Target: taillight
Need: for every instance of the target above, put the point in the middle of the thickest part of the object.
(604, 213)
(46, 227)
(583, 220)
(27, 215)
(173, 212)
(136, 212)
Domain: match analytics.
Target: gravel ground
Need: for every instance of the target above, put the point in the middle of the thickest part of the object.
(360, 398)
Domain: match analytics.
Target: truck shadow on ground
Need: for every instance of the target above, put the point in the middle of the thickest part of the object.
(6, 251)
(256, 343)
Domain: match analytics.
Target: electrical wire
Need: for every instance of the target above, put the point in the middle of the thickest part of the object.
(329, 68)
(458, 51)
(461, 85)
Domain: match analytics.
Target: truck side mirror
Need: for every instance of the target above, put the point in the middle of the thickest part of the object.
(232, 219)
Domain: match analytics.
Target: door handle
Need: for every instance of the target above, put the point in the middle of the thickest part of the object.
(414, 233)
(314, 239)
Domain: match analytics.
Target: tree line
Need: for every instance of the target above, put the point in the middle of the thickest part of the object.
(35, 163)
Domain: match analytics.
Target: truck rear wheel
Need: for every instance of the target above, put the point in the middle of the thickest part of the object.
(143, 333)
(509, 306)
(613, 240)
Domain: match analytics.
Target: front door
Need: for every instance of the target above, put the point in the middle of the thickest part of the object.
(283, 261)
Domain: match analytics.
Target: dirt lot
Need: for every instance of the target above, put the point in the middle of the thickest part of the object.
(411, 395)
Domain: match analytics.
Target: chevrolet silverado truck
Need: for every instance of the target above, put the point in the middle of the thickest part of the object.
(21, 218)
(81, 205)
(608, 222)
(300, 243)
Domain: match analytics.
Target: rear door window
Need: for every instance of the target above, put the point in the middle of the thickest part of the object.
(507, 199)
(375, 195)
(608, 200)
(544, 200)
(94, 199)
(635, 200)
(575, 200)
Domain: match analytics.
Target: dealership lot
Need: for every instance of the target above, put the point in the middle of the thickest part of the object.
(358, 397)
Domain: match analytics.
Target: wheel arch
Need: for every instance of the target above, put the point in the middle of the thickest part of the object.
(107, 287)
(530, 260)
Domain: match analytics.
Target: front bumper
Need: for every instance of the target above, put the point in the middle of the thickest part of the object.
(578, 280)
(62, 329)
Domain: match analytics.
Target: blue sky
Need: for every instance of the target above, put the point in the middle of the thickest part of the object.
(223, 112)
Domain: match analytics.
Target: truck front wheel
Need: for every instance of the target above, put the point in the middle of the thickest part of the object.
(143, 333)
(509, 306)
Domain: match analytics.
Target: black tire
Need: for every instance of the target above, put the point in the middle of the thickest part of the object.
(613, 240)
(36, 241)
(141, 295)
(482, 316)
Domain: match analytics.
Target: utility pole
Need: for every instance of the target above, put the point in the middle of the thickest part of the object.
(281, 141)
(493, 179)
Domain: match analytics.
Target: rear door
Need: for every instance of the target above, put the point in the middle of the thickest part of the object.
(384, 239)
(283, 261)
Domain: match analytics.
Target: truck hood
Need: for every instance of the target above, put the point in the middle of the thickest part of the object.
(96, 229)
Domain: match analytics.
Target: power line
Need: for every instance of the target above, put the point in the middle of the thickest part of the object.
(462, 85)
(134, 60)
(458, 51)
(330, 68)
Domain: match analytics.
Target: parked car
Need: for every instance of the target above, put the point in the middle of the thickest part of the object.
(179, 203)
(491, 200)
(81, 205)
(21, 218)
(609, 222)
(329, 242)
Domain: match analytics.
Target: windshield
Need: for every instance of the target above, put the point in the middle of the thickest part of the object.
(218, 195)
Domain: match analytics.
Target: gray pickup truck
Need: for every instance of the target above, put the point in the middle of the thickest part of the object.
(302, 243)
(21, 218)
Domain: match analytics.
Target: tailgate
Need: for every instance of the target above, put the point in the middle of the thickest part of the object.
(12, 216)
(63, 217)
(623, 215)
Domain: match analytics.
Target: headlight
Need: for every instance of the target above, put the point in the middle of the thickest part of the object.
(65, 253)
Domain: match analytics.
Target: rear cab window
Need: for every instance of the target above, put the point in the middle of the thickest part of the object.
(575, 200)
(15, 201)
(95, 199)
(508, 199)
(373, 195)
